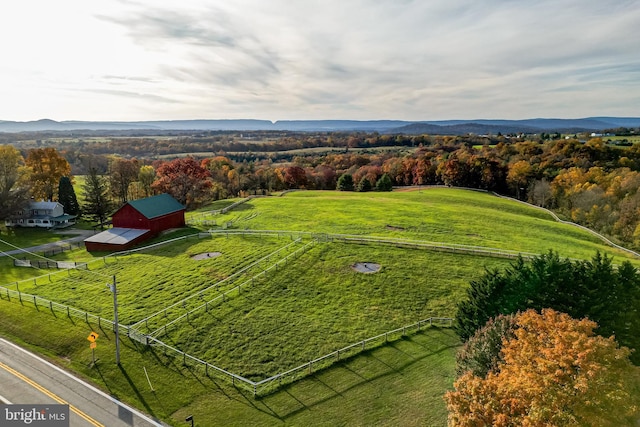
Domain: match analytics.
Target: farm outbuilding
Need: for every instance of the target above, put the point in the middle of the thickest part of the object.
(137, 221)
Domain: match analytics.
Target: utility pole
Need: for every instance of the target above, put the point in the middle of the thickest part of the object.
(115, 318)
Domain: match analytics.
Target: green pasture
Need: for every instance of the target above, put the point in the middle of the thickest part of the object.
(319, 303)
(634, 139)
(399, 384)
(151, 280)
(430, 214)
(312, 306)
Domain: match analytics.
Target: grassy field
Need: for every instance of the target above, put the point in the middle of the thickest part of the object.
(319, 304)
(152, 280)
(431, 214)
(401, 384)
(314, 305)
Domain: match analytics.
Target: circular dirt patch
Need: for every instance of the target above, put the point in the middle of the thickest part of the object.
(366, 267)
(206, 255)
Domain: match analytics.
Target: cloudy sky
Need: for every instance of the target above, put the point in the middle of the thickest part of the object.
(318, 59)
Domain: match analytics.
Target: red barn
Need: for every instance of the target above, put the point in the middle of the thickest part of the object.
(137, 221)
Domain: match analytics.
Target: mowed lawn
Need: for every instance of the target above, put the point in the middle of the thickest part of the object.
(431, 214)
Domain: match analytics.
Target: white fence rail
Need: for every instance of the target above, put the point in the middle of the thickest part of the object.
(228, 294)
(180, 306)
(55, 307)
(268, 385)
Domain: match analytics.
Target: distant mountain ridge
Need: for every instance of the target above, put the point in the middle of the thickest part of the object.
(443, 127)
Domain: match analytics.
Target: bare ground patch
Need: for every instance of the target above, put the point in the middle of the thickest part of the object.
(366, 267)
(206, 255)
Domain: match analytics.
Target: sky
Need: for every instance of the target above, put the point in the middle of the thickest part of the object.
(130, 60)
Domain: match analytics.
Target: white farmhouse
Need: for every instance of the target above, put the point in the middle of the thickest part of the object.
(42, 214)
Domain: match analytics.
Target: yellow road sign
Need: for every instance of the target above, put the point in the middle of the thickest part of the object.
(93, 345)
(93, 337)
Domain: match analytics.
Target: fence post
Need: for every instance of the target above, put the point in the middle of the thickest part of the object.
(20, 296)
(68, 315)
(51, 306)
(34, 302)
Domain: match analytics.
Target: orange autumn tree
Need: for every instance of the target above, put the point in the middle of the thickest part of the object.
(555, 372)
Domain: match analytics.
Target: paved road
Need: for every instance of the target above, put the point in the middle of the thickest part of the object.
(27, 378)
(81, 235)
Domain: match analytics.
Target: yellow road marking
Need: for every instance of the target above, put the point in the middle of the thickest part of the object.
(51, 395)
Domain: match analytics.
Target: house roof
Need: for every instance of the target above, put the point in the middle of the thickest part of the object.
(116, 236)
(43, 205)
(155, 206)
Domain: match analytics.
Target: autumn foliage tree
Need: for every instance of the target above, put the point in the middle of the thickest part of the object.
(482, 352)
(555, 372)
(47, 166)
(122, 173)
(185, 179)
(14, 182)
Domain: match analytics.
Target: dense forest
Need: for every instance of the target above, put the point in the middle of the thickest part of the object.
(587, 180)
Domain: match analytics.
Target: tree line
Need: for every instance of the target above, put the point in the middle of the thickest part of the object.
(589, 182)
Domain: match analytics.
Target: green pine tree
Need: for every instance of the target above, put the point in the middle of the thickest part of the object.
(67, 196)
(345, 182)
(97, 206)
(364, 185)
(384, 183)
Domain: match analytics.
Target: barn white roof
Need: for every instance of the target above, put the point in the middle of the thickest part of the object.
(117, 236)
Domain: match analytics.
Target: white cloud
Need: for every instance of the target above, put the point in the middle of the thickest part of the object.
(277, 59)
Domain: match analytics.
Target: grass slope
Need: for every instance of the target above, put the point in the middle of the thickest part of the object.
(401, 384)
(313, 306)
(432, 214)
(320, 304)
